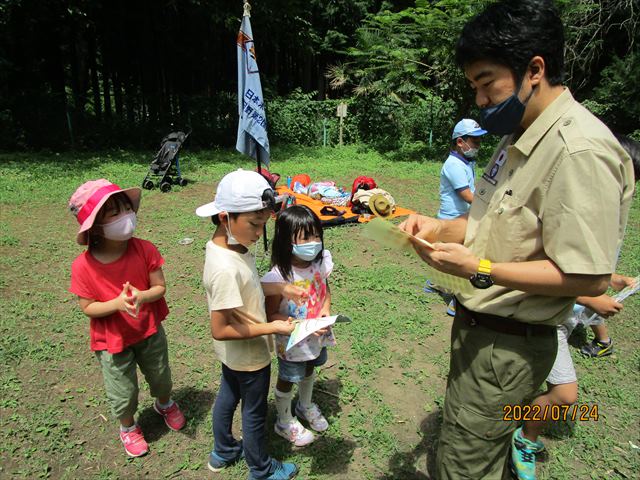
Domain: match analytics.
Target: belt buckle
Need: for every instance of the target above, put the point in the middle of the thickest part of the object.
(473, 322)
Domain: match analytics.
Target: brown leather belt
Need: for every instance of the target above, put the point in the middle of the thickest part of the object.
(502, 324)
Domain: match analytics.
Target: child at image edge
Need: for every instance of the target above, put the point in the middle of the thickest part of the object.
(298, 256)
(243, 203)
(120, 287)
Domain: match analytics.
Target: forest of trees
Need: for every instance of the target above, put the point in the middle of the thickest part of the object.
(98, 73)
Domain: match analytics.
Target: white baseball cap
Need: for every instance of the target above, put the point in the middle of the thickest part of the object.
(238, 192)
(467, 127)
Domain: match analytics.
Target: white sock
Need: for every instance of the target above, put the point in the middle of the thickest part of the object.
(128, 429)
(283, 406)
(164, 406)
(305, 390)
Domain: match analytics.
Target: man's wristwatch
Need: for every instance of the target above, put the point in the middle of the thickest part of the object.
(482, 278)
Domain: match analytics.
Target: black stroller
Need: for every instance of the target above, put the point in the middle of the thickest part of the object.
(165, 168)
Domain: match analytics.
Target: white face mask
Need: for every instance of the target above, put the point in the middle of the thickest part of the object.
(471, 153)
(122, 229)
(231, 240)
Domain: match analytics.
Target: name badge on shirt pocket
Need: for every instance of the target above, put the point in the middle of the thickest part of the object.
(492, 174)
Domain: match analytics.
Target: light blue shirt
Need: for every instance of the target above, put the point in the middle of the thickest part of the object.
(457, 174)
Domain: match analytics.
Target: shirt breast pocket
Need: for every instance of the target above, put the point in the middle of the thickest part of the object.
(513, 230)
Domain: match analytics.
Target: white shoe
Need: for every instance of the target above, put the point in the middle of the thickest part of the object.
(313, 416)
(294, 432)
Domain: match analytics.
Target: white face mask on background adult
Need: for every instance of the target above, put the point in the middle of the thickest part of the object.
(122, 229)
(470, 152)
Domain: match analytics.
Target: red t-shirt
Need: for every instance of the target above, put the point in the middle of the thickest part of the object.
(103, 282)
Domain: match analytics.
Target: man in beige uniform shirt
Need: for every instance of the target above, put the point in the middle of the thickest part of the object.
(548, 216)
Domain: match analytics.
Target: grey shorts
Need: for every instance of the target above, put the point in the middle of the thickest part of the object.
(295, 372)
(563, 370)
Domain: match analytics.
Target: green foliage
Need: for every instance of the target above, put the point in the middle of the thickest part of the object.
(407, 54)
(390, 125)
(299, 119)
(383, 122)
(616, 97)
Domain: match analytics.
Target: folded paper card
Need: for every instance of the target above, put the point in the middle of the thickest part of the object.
(595, 319)
(304, 328)
(391, 236)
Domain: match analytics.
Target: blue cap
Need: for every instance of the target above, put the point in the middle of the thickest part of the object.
(467, 127)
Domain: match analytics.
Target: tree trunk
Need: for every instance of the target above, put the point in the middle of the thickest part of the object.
(93, 67)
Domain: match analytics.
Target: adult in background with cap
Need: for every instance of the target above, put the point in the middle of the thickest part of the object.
(457, 177)
(457, 180)
(546, 222)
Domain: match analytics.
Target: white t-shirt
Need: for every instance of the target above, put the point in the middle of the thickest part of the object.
(314, 280)
(232, 281)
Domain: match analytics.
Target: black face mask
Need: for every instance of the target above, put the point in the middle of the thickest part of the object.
(504, 118)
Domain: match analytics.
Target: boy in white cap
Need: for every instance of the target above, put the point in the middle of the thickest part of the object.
(457, 177)
(241, 335)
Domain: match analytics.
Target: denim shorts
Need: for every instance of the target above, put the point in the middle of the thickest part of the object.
(295, 372)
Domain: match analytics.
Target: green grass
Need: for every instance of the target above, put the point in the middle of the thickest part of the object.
(382, 389)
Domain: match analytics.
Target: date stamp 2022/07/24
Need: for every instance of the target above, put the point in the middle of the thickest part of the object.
(575, 412)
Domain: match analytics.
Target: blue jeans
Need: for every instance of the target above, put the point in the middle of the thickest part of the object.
(252, 388)
(295, 372)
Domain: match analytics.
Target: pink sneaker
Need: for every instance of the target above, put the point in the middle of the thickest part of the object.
(173, 417)
(134, 442)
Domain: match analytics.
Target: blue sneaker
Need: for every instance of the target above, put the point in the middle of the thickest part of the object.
(429, 287)
(280, 471)
(451, 308)
(217, 463)
(523, 456)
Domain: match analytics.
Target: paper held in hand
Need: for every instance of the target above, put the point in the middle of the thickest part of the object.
(304, 328)
(391, 236)
(621, 296)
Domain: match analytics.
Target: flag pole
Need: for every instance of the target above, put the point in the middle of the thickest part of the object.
(247, 13)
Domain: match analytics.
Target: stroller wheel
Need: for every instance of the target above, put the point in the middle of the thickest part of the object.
(147, 184)
(165, 186)
(182, 181)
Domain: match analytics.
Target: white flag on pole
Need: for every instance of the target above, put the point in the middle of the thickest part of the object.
(252, 126)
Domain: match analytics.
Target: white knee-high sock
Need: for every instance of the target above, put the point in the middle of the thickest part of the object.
(305, 390)
(283, 406)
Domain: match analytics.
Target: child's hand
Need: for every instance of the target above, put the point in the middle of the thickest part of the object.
(283, 327)
(604, 305)
(296, 294)
(136, 297)
(618, 282)
(323, 313)
(125, 303)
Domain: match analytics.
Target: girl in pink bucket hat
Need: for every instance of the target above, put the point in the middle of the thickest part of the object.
(120, 287)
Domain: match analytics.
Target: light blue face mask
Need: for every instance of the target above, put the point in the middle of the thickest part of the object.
(307, 251)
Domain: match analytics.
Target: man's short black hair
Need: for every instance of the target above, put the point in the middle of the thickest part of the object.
(632, 147)
(511, 33)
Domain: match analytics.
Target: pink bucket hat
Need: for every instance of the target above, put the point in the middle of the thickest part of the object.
(89, 198)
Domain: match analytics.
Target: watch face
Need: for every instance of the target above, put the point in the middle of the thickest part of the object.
(481, 280)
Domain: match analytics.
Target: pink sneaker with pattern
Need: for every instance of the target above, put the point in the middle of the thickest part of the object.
(134, 443)
(173, 417)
